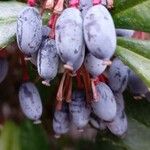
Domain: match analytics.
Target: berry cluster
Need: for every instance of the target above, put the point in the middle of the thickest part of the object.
(82, 37)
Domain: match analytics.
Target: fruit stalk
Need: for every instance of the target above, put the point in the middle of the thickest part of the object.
(59, 96)
(31, 3)
(74, 3)
(49, 4)
(87, 85)
(25, 76)
(69, 89)
(59, 7)
(80, 85)
(96, 2)
(52, 24)
(95, 93)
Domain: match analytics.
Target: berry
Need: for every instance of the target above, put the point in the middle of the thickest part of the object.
(105, 108)
(79, 111)
(136, 85)
(119, 125)
(47, 60)
(124, 33)
(99, 32)
(94, 65)
(69, 36)
(29, 30)
(118, 76)
(61, 121)
(30, 101)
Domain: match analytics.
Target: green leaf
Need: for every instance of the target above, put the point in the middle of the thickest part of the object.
(138, 46)
(9, 11)
(139, 64)
(8, 16)
(27, 136)
(131, 14)
(138, 136)
(9, 139)
(7, 37)
(138, 110)
(33, 137)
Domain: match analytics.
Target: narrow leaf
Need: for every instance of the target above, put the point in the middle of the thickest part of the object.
(139, 110)
(9, 139)
(138, 46)
(33, 137)
(9, 11)
(139, 64)
(7, 34)
(8, 16)
(132, 14)
(138, 136)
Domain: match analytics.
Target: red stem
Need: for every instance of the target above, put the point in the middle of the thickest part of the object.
(97, 80)
(49, 4)
(31, 3)
(87, 84)
(52, 24)
(96, 2)
(60, 95)
(25, 76)
(69, 90)
(79, 81)
(101, 78)
(58, 105)
(59, 7)
(74, 3)
(66, 86)
(94, 90)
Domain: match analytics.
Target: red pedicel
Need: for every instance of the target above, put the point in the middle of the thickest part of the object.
(96, 2)
(31, 3)
(25, 76)
(74, 3)
(51, 24)
(59, 7)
